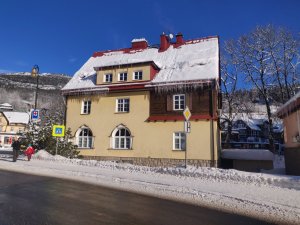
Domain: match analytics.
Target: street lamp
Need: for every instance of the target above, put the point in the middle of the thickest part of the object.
(35, 73)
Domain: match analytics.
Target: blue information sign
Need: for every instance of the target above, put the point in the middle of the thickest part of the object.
(35, 114)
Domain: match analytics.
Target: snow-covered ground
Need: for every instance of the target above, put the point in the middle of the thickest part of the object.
(274, 198)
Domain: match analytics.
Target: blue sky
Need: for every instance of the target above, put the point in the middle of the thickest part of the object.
(60, 35)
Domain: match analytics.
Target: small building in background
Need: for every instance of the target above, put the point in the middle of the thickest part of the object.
(248, 146)
(252, 132)
(12, 124)
(290, 113)
(6, 107)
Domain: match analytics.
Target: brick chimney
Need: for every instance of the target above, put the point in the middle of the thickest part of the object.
(139, 43)
(179, 39)
(164, 42)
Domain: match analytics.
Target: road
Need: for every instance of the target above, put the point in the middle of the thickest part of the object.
(34, 200)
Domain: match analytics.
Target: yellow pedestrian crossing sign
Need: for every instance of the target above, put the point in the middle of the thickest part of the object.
(58, 131)
(187, 113)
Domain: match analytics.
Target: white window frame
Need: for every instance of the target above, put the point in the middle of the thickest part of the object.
(85, 141)
(137, 75)
(107, 78)
(119, 141)
(177, 103)
(86, 107)
(179, 141)
(121, 105)
(122, 76)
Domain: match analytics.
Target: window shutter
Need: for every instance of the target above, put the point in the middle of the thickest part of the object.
(82, 105)
(189, 100)
(169, 102)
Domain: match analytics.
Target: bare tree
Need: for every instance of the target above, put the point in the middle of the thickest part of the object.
(283, 49)
(232, 102)
(267, 58)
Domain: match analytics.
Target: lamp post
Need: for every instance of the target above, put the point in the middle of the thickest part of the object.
(35, 73)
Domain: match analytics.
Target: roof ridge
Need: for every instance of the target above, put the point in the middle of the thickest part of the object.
(129, 49)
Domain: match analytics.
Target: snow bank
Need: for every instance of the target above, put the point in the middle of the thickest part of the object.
(42, 154)
(209, 173)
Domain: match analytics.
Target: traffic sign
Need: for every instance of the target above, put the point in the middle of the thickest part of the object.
(58, 131)
(35, 114)
(187, 113)
(187, 127)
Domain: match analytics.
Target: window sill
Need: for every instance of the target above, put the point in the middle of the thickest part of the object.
(85, 114)
(122, 149)
(85, 149)
(178, 150)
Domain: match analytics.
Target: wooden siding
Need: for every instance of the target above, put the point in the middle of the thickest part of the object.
(197, 101)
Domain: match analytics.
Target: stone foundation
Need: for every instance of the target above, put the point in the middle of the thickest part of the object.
(156, 162)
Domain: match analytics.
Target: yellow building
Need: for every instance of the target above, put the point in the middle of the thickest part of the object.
(12, 124)
(290, 113)
(128, 104)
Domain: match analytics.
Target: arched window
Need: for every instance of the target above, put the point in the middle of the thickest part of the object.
(121, 138)
(85, 138)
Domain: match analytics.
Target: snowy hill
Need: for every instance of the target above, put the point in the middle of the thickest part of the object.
(18, 89)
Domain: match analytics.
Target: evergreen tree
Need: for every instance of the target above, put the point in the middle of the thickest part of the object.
(40, 134)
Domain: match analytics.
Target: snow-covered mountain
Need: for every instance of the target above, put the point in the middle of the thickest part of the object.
(18, 89)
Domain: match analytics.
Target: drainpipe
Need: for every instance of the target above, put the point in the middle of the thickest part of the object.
(65, 110)
(211, 112)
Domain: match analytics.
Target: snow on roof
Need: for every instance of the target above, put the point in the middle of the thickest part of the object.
(278, 128)
(138, 40)
(195, 60)
(252, 124)
(247, 154)
(17, 117)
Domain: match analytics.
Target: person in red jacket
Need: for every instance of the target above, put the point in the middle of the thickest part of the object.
(29, 151)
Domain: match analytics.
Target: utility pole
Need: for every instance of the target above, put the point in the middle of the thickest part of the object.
(35, 73)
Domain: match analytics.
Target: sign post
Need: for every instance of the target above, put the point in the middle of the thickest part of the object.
(34, 120)
(58, 131)
(187, 129)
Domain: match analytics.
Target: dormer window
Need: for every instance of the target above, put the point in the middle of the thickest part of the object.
(123, 76)
(138, 75)
(107, 78)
